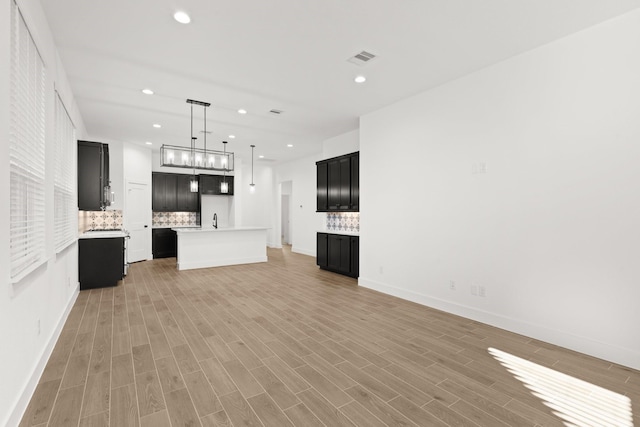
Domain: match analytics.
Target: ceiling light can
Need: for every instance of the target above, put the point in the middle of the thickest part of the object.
(182, 17)
(360, 79)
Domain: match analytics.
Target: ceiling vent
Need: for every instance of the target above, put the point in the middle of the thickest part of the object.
(274, 111)
(362, 58)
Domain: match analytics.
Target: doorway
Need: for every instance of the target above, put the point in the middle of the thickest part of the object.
(138, 221)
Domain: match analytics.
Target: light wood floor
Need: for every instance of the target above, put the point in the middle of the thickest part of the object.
(283, 343)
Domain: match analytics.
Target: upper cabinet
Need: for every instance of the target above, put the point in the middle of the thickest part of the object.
(94, 190)
(338, 184)
(210, 185)
(187, 200)
(171, 193)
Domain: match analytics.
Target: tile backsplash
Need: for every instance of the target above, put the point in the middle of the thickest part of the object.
(343, 221)
(99, 220)
(175, 219)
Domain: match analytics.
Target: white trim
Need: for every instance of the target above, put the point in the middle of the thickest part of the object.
(303, 251)
(220, 262)
(612, 353)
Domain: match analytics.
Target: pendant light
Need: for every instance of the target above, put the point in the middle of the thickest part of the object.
(224, 185)
(252, 186)
(193, 182)
(193, 157)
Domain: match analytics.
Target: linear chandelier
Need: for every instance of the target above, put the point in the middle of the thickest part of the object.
(196, 158)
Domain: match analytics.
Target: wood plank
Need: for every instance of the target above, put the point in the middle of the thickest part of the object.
(150, 397)
(124, 407)
(181, 409)
(239, 411)
(204, 398)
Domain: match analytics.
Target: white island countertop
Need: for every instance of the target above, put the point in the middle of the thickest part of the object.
(216, 247)
(218, 230)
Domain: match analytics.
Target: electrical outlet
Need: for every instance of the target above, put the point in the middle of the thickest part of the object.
(381, 270)
(481, 291)
(474, 289)
(38, 327)
(68, 281)
(452, 285)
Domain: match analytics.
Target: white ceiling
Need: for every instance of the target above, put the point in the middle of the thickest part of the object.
(289, 55)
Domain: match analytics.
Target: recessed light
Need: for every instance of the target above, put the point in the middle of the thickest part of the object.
(360, 79)
(261, 157)
(289, 145)
(147, 91)
(242, 111)
(149, 143)
(181, 17)
(156, 125)
(231, 136)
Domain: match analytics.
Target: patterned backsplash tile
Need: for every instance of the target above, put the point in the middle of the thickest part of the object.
(99, 220)
(343, 221)
(175, 219)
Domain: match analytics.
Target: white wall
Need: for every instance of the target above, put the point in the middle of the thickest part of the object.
(46, 295)
(342, 144)
(551, 230)
(256, 208)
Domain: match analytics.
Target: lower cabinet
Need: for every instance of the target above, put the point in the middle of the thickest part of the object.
(164, 243)
(100, 262)
(338, 253)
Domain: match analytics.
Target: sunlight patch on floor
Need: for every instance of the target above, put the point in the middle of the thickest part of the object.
(577, 402)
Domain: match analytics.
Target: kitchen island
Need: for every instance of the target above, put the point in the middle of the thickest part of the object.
(216, 247)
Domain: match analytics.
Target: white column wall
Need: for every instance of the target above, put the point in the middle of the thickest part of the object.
(46, 295)
(550, 231)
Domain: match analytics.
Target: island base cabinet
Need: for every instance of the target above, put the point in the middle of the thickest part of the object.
(164, 243)
(338, 253)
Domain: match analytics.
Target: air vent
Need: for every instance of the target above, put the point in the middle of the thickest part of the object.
(208, 132)
(362, 58)
(274, 111)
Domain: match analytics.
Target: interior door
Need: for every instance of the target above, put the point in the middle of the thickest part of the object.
(138, 221)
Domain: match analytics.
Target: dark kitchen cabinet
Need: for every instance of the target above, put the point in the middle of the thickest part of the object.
(172, 193)
(338, 253)
(164, 188)
(322, 249)
(187, 201)
(94, 190)
(322, 181)
(164, 243)
(210, 185)
(100, 262)
(338, 182)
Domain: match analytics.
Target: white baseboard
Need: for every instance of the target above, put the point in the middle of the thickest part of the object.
(27, 393)
(303, 251)
(220, 262)
(609, 352)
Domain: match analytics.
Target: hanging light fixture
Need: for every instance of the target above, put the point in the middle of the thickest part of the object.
(252, 186)
(224, 185)
(193, 157)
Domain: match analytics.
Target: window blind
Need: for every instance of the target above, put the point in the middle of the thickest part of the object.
(26, 151)
(64, 195)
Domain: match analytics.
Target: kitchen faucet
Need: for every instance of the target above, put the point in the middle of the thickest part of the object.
(215, 220)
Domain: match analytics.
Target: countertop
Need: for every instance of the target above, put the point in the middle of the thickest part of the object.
(344, 233)
(216, 230)
(102, 234)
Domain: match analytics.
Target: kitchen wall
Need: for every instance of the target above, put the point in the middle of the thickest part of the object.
(519, 180)
(256, 208)
(32, 311)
